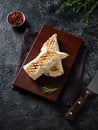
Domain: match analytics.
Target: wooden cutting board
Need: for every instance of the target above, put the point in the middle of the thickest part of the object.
(67, 43)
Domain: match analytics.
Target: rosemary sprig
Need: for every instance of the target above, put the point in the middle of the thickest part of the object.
(88, 6)
(48, 89)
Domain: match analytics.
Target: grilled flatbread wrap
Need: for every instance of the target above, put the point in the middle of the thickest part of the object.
(45, 60)
(52, 45)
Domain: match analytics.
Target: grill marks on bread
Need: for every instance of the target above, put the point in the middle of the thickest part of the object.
(48, 61)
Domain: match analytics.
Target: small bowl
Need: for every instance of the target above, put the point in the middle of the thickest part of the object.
(16, 18)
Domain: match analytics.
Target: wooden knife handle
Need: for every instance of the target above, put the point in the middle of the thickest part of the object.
(77, 105)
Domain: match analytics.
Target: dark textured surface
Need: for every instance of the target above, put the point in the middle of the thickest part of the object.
(21, 111)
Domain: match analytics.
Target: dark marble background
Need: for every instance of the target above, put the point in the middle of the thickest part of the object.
(21, 111)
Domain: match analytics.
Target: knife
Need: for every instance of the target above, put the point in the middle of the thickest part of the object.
(92, 88)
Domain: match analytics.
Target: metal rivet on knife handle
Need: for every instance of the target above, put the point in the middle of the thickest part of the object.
(77, 105)
(91, 89)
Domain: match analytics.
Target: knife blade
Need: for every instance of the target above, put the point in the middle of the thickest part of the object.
(92, 88)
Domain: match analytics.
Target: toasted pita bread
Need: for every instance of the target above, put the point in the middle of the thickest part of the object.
(52, 45)
(45, 60)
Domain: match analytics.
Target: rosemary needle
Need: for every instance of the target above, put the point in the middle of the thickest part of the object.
(48, 89)
(88, 6)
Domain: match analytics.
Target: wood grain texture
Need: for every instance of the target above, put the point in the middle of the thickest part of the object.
(67, 43)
